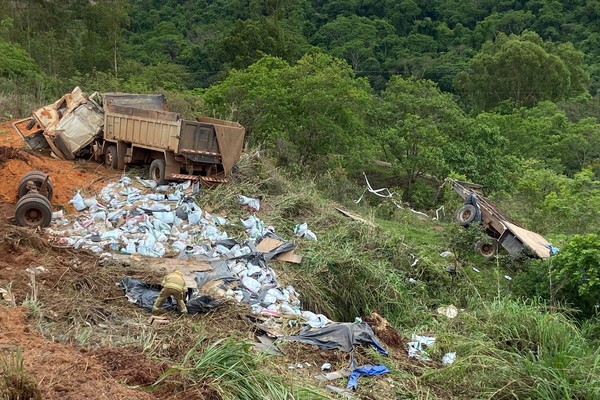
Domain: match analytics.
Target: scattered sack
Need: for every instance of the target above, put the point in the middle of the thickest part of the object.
(448, 358)
(250, 202)
(302, 230)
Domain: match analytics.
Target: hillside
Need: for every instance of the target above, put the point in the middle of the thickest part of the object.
(73, 317)
(371, 108)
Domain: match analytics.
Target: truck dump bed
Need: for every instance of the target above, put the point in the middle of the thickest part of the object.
(508, 232)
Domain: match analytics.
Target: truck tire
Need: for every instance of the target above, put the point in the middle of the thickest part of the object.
(33, 210)
(157, 171)
(110, 157)
(38, 177)
(487, 249)
(466, 214)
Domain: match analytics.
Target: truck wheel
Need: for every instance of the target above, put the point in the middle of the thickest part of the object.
(33, 210)
(37, 177)
(487, 249)
(157, 171)
(110, 157)
(466, 214)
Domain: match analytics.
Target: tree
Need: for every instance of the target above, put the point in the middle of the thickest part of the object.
(249, 40)
(14, 61)
(576, 270)
(522, 70)
(416, 122)
(311, 111)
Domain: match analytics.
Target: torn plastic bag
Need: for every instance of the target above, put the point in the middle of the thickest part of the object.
(341, 335)
(365, 370)
(417, 347)
(78, 202)
(302, 230)
(147, 182)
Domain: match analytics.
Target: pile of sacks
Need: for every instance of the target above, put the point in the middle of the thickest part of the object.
(140, 217)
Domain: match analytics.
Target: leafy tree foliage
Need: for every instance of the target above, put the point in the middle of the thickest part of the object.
(522, 70)
(308, 110)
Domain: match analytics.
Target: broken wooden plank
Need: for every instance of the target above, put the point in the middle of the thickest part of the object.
(356, 217)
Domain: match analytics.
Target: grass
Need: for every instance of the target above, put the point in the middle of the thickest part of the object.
(228, 370)
(15, 382)
(513, 349)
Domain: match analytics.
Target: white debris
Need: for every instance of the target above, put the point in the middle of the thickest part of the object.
(451, 311)
(302, 230)
(417, 348)
(448, 358)
(250, 202)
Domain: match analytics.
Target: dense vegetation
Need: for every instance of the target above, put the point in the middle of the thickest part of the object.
(503, 93)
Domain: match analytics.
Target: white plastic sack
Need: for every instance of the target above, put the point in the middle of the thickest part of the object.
(302, 230)
(448, 358)
(250, 202)
(78, 202)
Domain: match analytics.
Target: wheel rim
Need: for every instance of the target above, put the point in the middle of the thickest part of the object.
(109, 158)
(465, 215)
(33, 217)
(487, 249)
(156, 174)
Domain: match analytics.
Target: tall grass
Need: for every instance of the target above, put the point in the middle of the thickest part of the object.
(516, 350)
(228, 369)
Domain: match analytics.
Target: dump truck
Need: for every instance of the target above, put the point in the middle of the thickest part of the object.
(139, 130)
(501, 229)
(122, 129)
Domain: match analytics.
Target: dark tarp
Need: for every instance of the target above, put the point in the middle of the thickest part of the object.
(341, 335)
(145, 295)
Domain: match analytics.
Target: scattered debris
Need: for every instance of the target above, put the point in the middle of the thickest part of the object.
(250, 202)
(448, 358)
(331, 376)
(157, 320)
(325, 367)
(365, 370)
(451, 311)
(356, 218)
(417, 348)
(302, 230)
(446, 253)
(7, 295)
(384, 330)
(340, 335)
(340, 391)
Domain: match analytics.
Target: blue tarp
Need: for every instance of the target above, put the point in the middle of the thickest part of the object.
(365, 370)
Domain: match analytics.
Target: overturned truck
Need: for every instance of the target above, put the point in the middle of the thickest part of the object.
(123, 129)
(501, 229)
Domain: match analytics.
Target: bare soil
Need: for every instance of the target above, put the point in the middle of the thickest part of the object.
(67, 176)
